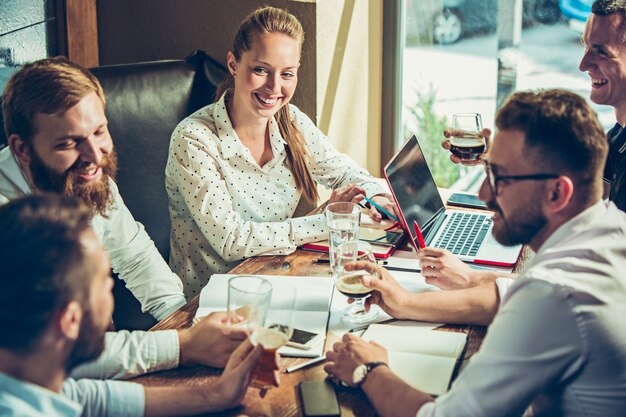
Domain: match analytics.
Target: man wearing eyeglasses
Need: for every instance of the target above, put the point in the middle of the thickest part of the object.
(605, 62)
(556, 346)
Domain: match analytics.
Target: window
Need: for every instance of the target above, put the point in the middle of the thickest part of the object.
(456, 60)
(27, 33)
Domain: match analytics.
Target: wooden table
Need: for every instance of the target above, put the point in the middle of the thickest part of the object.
(284, 401)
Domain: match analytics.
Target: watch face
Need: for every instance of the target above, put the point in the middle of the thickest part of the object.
(359, 374)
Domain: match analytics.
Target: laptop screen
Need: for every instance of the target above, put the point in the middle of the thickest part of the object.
(413, 185)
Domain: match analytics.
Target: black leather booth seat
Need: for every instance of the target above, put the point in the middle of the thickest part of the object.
(145, 102)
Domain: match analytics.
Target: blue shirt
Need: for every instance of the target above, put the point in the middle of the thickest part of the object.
(19, 398)
(85, 397)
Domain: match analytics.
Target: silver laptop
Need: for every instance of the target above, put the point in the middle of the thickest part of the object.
(466, 234)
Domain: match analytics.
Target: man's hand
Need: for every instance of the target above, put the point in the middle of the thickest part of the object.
(446, 271)
(445, 144)
(211, 341)
(388, 294)
(234, 381)
(351, 352)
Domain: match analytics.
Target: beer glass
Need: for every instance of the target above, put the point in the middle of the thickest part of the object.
(272, 333)
(343, 220)
(349, 282)
(466, 141)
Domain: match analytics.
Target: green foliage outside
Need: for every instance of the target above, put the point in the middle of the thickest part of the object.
(428, 127)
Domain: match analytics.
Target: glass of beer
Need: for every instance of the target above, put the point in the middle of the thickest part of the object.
(466, 141)
(344, 221)
(349, 282)
(272, 333)
(248, 300)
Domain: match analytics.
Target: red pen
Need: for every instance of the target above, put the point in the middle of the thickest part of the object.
(420, 237)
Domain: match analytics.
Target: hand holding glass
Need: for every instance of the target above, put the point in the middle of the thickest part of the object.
(466, 141)
(272, 333)
(349, 282)
(344, 221)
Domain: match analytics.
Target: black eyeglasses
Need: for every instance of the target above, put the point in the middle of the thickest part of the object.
(493, 180)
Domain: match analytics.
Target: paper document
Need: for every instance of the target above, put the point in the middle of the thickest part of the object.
(423, 358)
(312, 304)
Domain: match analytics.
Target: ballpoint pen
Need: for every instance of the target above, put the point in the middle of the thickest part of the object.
(305, 364)
(379, 208)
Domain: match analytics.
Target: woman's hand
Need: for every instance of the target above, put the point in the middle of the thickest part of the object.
(386, 203)
(348, 193)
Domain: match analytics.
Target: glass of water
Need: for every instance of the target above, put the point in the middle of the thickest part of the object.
(343, 220)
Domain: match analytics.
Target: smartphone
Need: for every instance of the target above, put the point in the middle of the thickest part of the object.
(466, 200)
(379, 237)
(302, 339)
(318, 399)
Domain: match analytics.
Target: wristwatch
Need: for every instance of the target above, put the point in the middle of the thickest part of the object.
(360, 372)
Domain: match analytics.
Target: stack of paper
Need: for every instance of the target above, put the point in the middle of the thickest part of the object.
(423, 358)
(312, 304)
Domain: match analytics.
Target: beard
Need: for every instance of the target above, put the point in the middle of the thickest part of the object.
(97, 195)
(520, 226)
(90, 342)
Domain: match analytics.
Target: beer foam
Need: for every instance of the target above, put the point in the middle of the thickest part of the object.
(467, 142)
(268, 338)
(352, 283)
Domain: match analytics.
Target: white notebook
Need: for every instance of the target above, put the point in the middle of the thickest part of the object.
(423, 358)
(312, 304)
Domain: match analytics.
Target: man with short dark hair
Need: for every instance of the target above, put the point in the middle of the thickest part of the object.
(556, 346)
(55, 305)
(605, 61)
(59, 142)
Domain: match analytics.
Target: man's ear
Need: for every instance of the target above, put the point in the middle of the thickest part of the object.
(19, 148)
(231, 63)
(69, 320)
(560, 193)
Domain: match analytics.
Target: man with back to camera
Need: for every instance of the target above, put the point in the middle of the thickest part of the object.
(605, 62)
(58, 142)
(556, 346)
(55, 306)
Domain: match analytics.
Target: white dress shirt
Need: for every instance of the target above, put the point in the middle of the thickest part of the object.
(225, 208)
(135, 258)
(557, 346)
(132, 253)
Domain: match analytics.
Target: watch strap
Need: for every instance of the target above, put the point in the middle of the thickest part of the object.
(370, 366)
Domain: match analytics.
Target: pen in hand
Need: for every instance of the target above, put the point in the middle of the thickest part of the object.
(379, 208)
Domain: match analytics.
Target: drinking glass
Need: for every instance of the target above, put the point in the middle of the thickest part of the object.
(248, 300)
(466, 141)
(343, 220)
(349, 282)
(272, 333)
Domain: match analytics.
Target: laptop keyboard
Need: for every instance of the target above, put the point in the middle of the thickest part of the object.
(464, 233)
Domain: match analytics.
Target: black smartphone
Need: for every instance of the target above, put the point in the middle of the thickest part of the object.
(466, 200)
(304, 340)
(318, 399)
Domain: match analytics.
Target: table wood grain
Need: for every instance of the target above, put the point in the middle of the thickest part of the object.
(284, 401)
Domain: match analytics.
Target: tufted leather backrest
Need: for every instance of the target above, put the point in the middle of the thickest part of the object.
(145, 102)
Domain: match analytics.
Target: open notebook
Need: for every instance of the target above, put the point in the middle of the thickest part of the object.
(312, 304)
(423, 358)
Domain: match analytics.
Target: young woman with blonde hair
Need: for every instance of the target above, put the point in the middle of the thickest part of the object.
(238, 167)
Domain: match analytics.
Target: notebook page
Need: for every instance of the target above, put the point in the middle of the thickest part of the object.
(423, 358)
(312, 304)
